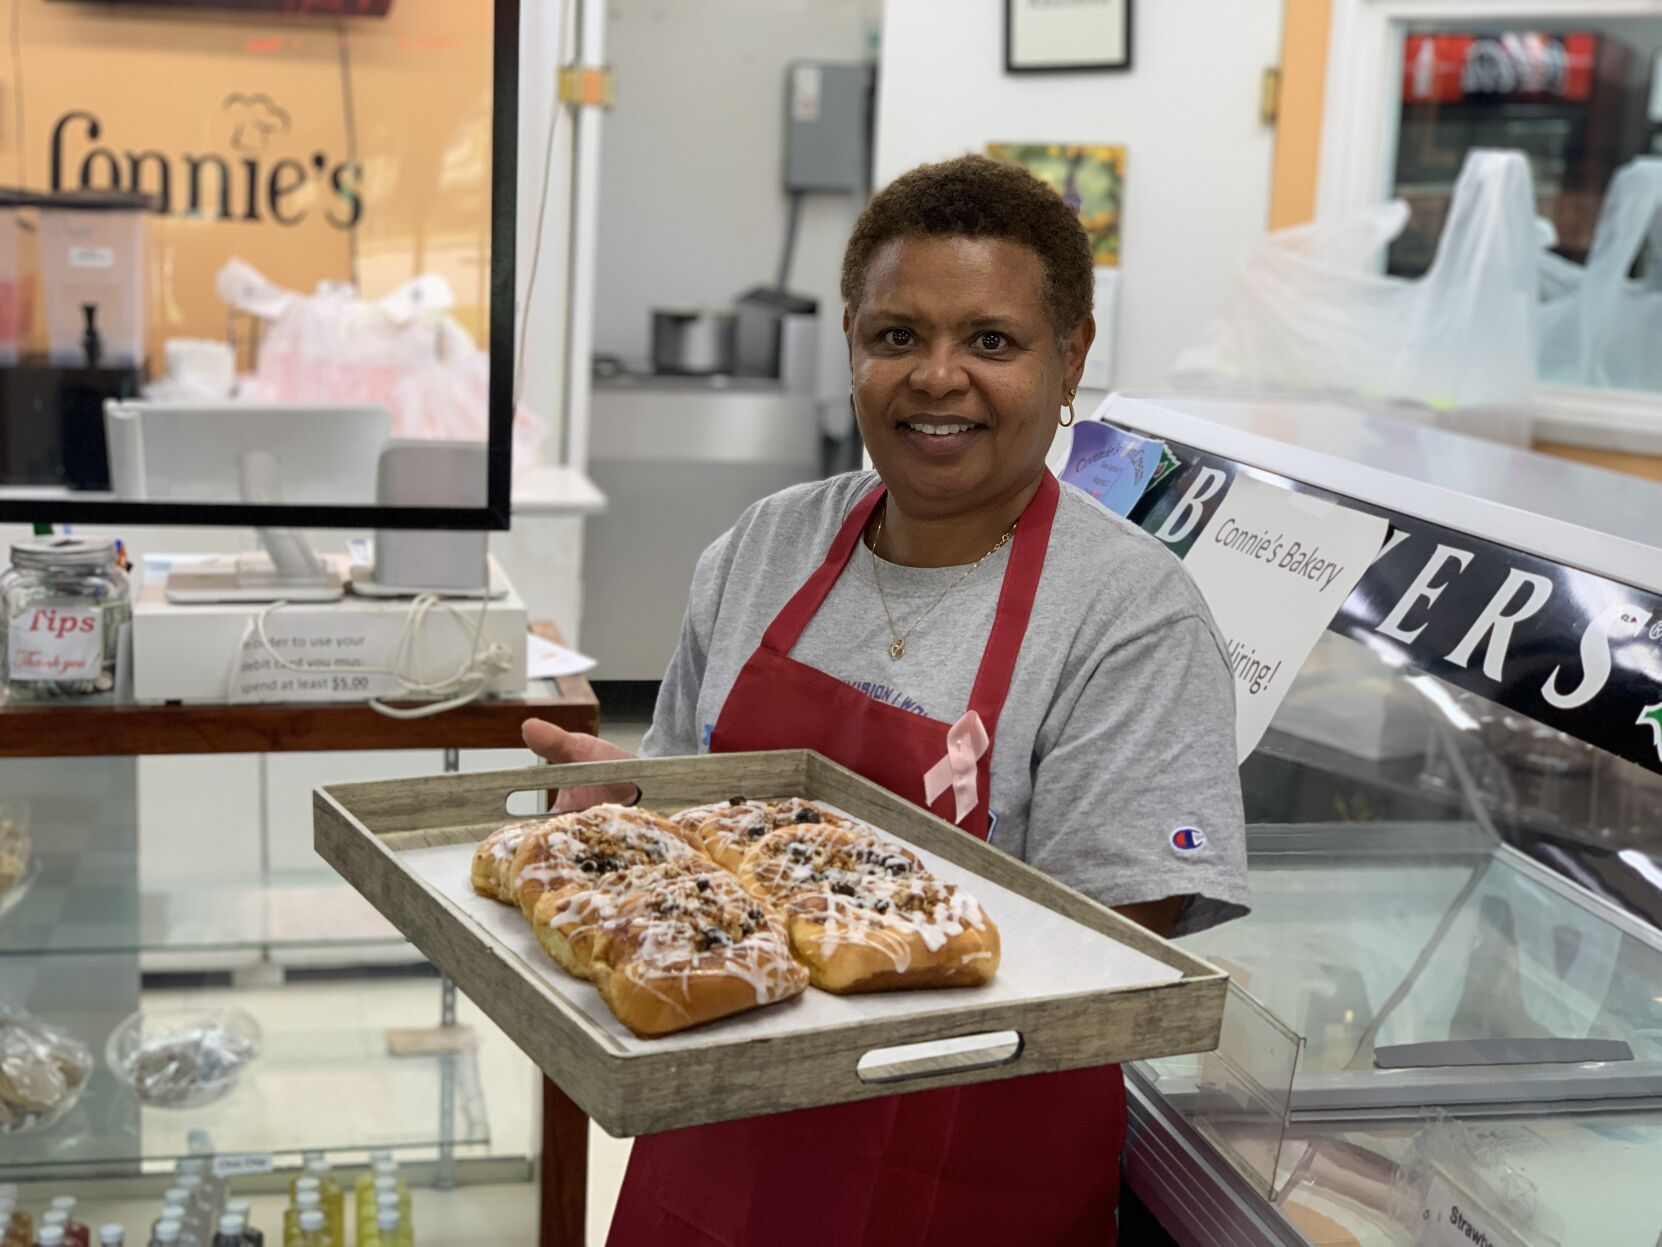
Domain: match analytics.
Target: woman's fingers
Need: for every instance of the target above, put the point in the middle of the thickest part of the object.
(555, 744)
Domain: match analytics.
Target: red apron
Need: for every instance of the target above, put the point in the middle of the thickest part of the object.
(1026, 1160)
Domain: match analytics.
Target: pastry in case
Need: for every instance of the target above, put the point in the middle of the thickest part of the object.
(577, 848)
(879, 933)
(691, 951)
(567, 922)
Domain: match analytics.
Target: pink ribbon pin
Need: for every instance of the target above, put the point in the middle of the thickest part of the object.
(966, 741)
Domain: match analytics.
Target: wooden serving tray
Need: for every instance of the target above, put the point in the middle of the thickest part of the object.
(1078, 985)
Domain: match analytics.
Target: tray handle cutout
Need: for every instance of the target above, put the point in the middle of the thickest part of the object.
(940, 1056)
(539, 802)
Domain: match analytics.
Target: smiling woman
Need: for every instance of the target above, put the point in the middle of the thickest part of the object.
(968, 292)
(956, 593)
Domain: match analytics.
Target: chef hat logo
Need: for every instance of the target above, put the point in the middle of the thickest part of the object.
(255, 119)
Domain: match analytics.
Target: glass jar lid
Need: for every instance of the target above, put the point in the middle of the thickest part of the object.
(51, 553)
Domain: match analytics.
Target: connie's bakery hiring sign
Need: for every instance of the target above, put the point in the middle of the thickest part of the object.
(1574, 651)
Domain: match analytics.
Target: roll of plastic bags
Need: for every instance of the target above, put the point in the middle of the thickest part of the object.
(1312, 312)
(1597, 325)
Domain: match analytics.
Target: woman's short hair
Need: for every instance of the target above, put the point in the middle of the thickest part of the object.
(975, 197)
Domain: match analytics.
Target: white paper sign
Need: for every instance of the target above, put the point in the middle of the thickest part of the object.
(1451, 1218)
(544, 660)
(334, 653)
(1275, 566)
(239, 1166)
(56, 641)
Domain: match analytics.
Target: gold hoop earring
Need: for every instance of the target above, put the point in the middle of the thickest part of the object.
(1071, 417)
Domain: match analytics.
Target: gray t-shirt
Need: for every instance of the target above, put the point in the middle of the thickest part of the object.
(1113, 764)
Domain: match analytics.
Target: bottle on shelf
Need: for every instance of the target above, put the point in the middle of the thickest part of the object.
(197, 1219)
(251, 1237)
(387, 1177)
(229, 1233)
(112, 1235)
(308, 1199)
(75, 1233)
(49, 1235)
(334, 1198)
(394, 1230)
(314, 1230)
(17, 1228)
(166, 1233)
(201, 1161)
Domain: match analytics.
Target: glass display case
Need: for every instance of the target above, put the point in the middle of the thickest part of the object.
(1447, 1001)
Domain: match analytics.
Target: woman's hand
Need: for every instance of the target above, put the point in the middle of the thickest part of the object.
(555, 744)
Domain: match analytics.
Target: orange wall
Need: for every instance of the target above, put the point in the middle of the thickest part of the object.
(403, 190)
(1298, 127)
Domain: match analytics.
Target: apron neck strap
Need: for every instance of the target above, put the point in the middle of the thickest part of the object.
(1015, 596)
(787, 626)
(1015, 603)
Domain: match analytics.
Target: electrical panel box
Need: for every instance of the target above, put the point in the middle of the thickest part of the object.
(828, 119)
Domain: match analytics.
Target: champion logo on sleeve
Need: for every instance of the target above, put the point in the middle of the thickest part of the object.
(1186, 840)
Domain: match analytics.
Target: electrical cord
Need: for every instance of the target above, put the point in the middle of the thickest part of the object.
(463, 685)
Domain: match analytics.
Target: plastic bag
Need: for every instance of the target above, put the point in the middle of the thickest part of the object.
(1311, 311)
(403, 352)
(42, 1071)
(1597, 326)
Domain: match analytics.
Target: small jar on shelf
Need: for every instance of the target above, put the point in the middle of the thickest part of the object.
(63, 604)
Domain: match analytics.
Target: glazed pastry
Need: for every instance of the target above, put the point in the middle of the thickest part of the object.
(803, 857)
(688, 821)
(567, 922)
(494, 856)
(42, 1072)
(577, 848)
(878, 933)
(729, 833)
(691, 951)
(14, 854)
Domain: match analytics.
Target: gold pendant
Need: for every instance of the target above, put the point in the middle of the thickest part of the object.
(898, 649)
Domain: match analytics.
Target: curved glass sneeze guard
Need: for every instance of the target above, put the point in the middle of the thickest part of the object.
(1457, 911)
(241, 285)
(1414, 917)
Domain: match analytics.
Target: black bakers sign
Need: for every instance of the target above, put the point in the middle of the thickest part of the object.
(1565, 648)
(246, 181)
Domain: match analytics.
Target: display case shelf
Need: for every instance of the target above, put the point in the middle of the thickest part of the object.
(308, 1091)
(60, 915)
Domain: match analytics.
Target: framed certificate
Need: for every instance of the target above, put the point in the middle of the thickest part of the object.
(1051, 35)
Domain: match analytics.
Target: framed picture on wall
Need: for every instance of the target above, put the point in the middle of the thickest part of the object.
(1046, 36)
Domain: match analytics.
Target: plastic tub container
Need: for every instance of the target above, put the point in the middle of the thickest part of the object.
(180, 1058)
(92, 263)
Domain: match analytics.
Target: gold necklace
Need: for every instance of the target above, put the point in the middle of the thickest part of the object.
(897, 650)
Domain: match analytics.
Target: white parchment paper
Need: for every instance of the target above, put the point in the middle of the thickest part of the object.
(1044, 954)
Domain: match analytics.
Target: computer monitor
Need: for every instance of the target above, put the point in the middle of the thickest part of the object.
(218, 451)
(259, 453)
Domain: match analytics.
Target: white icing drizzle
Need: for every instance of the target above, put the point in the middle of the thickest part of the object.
(890, 914)
(664, 952)
(629, 836)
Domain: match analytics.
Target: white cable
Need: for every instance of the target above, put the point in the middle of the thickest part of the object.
(460, 687)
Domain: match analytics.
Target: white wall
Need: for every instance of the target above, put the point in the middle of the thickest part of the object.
(692, 208)
(1198, 160)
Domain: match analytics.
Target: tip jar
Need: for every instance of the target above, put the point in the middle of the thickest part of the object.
(63, 603)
